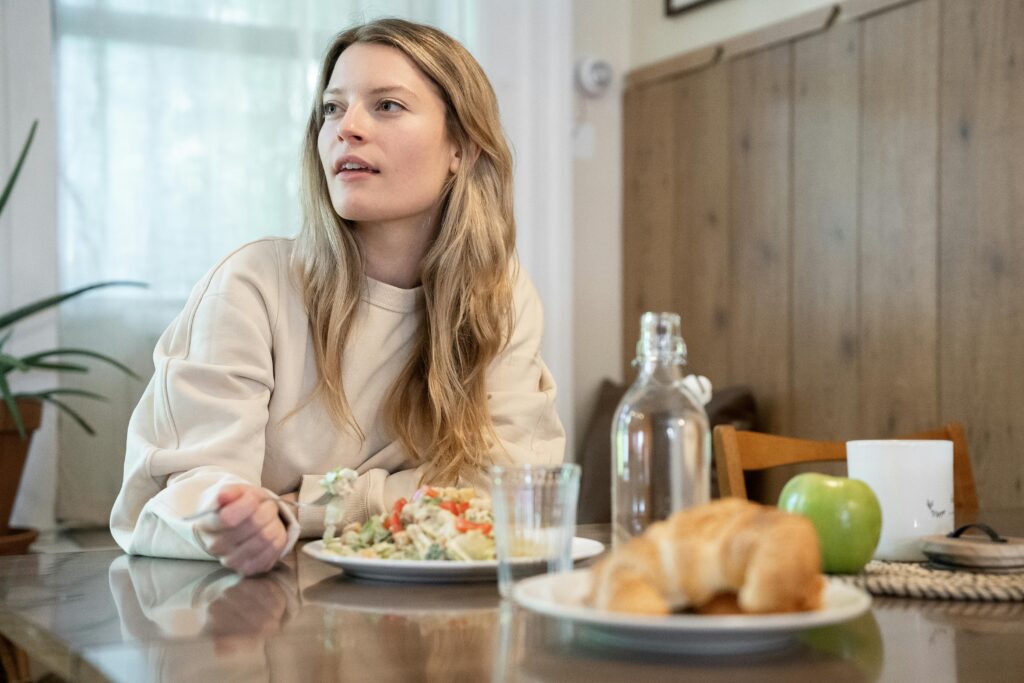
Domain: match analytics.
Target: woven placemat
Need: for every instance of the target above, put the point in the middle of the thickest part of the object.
(917, 580)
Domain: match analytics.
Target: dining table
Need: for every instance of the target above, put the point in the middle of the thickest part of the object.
(102, 615)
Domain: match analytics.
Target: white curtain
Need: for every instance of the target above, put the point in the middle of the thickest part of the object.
(179, 130)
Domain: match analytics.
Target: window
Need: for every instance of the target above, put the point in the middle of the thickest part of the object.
(179, 128)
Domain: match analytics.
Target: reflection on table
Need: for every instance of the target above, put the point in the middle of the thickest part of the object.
(105, 616)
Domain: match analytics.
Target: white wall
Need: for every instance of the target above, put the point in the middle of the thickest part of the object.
(600, 29)
(28, 228)
(529, 62)
(655, 37)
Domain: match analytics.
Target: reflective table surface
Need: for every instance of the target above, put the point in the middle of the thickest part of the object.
(100, 615)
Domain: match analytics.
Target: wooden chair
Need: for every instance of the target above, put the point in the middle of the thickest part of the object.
(738, 451)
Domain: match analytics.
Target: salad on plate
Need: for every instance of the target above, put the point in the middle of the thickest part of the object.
(437, 523)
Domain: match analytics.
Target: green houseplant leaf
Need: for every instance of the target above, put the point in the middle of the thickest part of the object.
(25, 311)
(51, 360)
(17, 167)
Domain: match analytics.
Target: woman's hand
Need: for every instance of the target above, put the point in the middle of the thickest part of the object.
(247, 535)
(242, 617)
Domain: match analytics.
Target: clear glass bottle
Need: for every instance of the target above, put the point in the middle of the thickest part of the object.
(661, 451)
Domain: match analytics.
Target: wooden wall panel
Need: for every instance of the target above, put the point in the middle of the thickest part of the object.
(826, 344)
(981, 285)
(760, 112)
(899, 246)
(649, 186)
(700, 277)
(874, 226)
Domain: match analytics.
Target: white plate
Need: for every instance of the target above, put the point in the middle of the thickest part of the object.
(431, 571)
(562, 595)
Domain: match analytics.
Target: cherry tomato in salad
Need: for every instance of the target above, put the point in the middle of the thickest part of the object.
(463, 525)
(394, 522)
(454, 507)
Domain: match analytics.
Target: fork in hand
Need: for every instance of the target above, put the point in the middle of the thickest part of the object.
(319, 502)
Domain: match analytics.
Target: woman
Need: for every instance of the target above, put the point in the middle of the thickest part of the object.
(395, 335)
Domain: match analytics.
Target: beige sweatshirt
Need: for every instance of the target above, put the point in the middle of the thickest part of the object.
(239, 358)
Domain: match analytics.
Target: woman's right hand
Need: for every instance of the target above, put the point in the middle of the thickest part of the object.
(247, 535)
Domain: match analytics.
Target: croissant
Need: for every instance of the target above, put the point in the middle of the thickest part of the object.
(700, 558)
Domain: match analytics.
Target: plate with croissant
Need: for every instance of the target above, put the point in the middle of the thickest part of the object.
(722, 578)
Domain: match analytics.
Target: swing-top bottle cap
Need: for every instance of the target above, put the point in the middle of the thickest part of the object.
(660, 338)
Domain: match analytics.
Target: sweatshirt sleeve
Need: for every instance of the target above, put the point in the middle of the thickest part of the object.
(521, 390)
(201, 422)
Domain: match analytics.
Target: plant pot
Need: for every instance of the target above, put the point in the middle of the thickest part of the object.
(17, 541)
(13, 451)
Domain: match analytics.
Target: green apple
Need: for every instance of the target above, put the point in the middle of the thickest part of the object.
(845, 513)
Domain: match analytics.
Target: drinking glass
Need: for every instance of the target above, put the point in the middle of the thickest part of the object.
(534, 520)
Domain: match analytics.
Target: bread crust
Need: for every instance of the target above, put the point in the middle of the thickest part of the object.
(768, 559)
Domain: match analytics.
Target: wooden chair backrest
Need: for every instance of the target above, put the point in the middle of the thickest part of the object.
(738, 451)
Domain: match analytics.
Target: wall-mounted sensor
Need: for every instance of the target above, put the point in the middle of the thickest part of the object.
(593, 76)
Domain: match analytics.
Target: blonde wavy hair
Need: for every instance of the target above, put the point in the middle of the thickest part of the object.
(437, 406)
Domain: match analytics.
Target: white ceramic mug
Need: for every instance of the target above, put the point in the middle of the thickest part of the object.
(913, 481)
